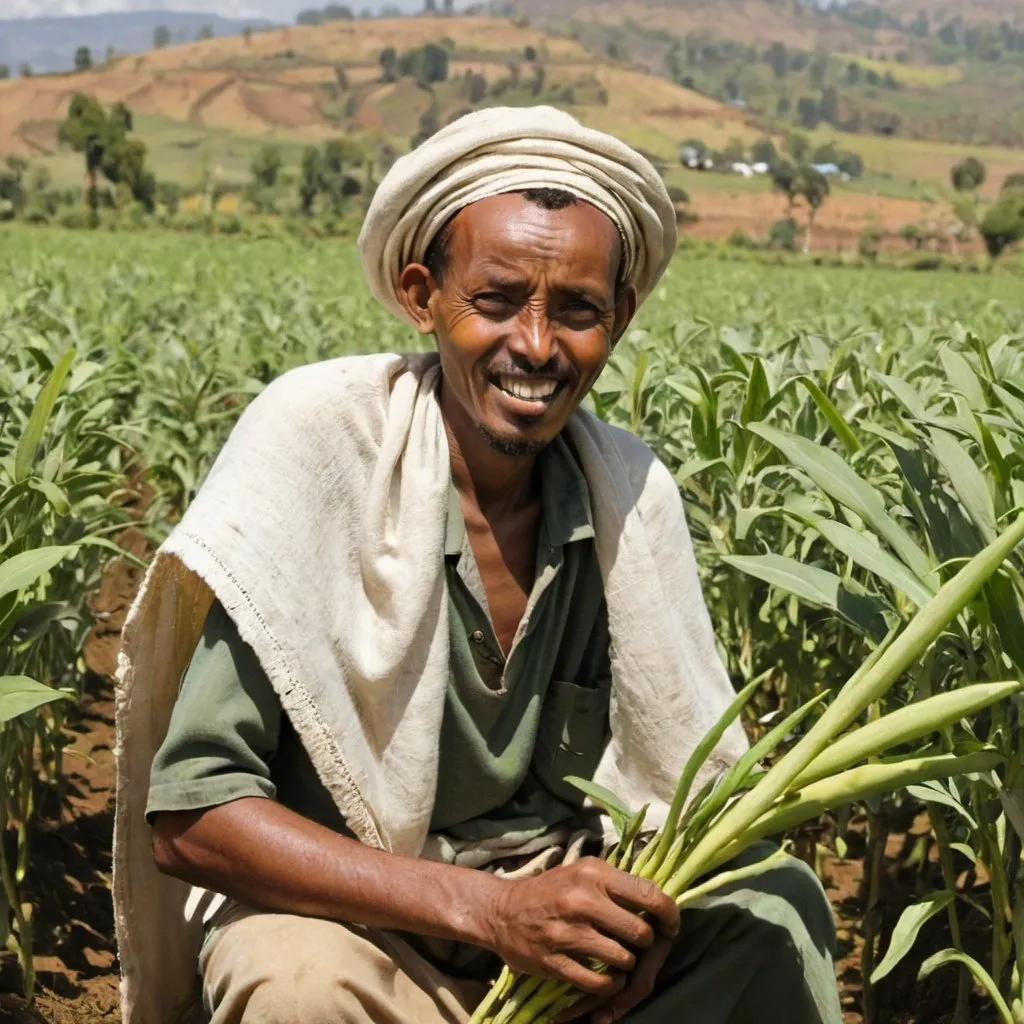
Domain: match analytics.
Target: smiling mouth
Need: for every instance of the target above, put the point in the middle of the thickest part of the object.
(536, 391)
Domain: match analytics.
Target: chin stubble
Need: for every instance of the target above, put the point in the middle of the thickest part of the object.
(514, 449)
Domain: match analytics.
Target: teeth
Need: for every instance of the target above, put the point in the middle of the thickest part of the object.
(530, 390)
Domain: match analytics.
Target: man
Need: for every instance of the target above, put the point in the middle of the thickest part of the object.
(415, 594)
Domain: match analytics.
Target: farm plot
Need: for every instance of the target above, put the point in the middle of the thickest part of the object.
(844, 440)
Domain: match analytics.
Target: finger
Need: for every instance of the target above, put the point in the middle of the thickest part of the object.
(640, 985)
(595, 946)
(565, 968)
(621, 924)
(586, 1005)
(643, 895)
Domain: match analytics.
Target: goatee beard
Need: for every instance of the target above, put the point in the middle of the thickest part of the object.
(514, 449)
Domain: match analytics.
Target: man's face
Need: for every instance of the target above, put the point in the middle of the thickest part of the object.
(527, 315)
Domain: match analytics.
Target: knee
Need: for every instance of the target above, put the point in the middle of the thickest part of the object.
(303, 993)
(800, 904)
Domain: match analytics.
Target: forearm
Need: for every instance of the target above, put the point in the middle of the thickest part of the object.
(258, 852)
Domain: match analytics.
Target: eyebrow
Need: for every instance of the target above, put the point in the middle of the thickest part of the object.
(588, 294)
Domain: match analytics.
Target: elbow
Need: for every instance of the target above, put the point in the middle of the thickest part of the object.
(170, 847)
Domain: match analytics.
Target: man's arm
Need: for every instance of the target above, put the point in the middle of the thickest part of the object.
(258, 852)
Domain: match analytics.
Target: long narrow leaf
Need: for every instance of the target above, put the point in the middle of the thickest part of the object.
(908, 927)
(25, 453)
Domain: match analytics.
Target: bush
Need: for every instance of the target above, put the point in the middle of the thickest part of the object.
(739, 239)
(782, 235)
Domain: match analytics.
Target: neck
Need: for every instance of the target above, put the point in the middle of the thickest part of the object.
(490, 478)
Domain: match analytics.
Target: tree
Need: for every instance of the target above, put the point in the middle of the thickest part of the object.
(1012, 183)
(103, 140)
(784, 181)
(205, 32)
(809, 111)
(825, 154)
(693, 152)
(265, 166)
(247, 35)
(796, 145)
(449, 8)
(778, 57)
(25, 70)
(310, 178)
(161, 37)
(813, 187)
(850, 163)
(735, 152)
(83, 58)
(430, 7)
(529, 53)
(763, 151)
(912, 235)
(968, 175)
(5, 71)
(388, 61)
(1003, 224)
(829, 107)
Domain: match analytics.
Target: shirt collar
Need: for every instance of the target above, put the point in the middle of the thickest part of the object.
(566, 515)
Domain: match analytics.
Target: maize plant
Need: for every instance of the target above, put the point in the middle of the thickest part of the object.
(846, 523)
(57, 478)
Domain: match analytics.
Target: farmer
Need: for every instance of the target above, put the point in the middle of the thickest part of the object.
(412, 597)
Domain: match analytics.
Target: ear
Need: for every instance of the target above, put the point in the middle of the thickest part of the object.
(416, 285)
(625, 310)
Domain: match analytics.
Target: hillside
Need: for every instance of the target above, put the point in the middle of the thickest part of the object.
(923, 69)
(309, 83)
(49, 44)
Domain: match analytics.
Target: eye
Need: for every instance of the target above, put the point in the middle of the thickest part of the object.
(493, 304)
(580, 313)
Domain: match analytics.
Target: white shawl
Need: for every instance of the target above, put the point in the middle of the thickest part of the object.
(321, 530)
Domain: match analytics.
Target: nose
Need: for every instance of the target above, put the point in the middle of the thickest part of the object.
(534, 337)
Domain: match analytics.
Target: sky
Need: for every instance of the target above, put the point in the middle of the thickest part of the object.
(282, 10)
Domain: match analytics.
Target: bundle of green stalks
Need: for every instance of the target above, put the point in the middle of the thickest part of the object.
(832, 765)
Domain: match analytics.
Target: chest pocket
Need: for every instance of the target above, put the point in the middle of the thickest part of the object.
(572, 735)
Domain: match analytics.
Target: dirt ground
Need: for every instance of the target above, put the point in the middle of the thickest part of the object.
(71, 868)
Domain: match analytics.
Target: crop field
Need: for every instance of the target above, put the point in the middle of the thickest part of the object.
(845, 441)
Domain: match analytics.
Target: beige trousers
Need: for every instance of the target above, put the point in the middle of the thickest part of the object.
(262, 968)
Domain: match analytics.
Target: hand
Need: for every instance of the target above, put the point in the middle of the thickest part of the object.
(632, 989)
(553, 925)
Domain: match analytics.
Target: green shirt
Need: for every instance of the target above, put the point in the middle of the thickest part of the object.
(513, 727)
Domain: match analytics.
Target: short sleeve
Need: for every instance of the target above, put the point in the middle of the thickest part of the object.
(225, 727)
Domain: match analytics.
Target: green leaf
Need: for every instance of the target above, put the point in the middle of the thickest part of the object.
(835, 477)
(861, 549)
(817, 587)
(904, 935)
(20, 694)
(757, 393)
(23, 570)
(839, 426)
(954, 956)
(620, 814)
(25, 452)
(963, 378)
(937, 795)
(967, 480)
(905, 394)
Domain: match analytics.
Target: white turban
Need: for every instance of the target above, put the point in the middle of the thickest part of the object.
(509, 149)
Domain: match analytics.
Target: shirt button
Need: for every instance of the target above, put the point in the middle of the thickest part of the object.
(477, 636)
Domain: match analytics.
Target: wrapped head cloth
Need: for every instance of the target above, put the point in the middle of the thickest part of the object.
(509, 149)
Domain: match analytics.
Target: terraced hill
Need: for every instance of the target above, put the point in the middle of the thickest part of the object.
(309, 83)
